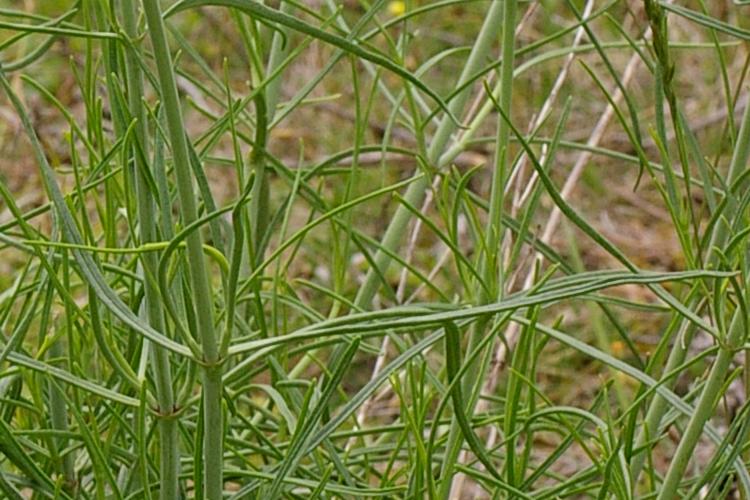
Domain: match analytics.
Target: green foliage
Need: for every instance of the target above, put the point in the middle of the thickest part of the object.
(219, 291)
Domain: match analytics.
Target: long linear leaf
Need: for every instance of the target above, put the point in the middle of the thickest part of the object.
(707, 21)
(69, 378)
(413, 316)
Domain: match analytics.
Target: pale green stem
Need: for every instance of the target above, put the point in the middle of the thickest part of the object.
(59, 413)
(169, 463)
(489, 271)
(197, 272)
(494, 225)
(278, 53)
(59, 417)
(417, 189)
(705, 408)
(57, 405)
(659, 405)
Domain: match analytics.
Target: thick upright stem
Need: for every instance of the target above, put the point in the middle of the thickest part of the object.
(169, 462)
(704, 409)
(201, 289)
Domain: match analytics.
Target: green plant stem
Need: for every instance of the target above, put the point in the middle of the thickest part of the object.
(201, 289)
(489, 266)
(492, 268)
(59, 417)
(279, 51)
(260, 192)
(57, 405)
(415, 193)
(704, 409)
(169, 464)
(417, 189)
(677, 355)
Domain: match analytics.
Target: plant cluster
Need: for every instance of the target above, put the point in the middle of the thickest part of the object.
(204, 307)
